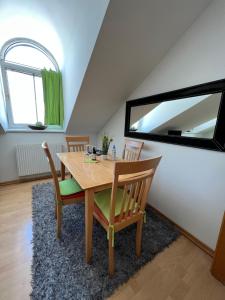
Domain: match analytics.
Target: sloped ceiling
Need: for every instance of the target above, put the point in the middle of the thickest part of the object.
(134, 37)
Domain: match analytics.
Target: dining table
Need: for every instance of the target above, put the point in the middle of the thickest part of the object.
(92, 176)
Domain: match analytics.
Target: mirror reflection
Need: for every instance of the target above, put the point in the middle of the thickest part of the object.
(190, 117)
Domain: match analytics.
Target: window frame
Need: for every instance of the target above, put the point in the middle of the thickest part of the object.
(16, 67)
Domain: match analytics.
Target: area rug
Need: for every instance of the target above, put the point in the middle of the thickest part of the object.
(59, 270)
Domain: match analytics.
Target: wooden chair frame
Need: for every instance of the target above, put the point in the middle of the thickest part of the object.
(132, 150)
(136, 186)
(76, 143)
(59, 199)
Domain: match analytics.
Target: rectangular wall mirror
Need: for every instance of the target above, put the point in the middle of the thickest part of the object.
(192, 116)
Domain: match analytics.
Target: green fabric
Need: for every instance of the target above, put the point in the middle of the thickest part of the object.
(102, 200)
(53, 97)
(68, 187)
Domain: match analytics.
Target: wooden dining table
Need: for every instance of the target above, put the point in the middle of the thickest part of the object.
(92, 177)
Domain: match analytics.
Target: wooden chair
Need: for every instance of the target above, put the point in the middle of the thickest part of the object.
(132, 150)
(125, 203)
(67, 191)
(76, 143)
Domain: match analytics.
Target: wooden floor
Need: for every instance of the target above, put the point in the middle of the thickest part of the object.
(180, 272)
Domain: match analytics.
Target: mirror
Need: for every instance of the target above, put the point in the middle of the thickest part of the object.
(191, 116)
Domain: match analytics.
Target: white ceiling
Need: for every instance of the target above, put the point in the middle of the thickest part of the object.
(134, 37)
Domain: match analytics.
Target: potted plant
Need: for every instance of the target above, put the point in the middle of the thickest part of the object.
(106, 140)
(37, 126)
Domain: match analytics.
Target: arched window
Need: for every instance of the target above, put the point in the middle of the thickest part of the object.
(21, 63)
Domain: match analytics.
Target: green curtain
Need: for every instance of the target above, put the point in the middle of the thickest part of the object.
(53, 97)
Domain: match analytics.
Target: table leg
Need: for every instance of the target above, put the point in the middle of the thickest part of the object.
(62, 171)
(89, 205)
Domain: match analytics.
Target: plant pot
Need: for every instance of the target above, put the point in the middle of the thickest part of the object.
(104, 156)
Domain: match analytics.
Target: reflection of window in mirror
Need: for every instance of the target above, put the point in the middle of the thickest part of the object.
(190, 117)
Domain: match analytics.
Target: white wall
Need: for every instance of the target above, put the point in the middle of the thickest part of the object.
(84, 24)
(189, 184)
(8, 142)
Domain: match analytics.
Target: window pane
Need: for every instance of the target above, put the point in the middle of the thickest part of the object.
(21, 90)
(39, 99)
(29, 56)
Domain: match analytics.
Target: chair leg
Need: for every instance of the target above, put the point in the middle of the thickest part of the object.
(111, 254)
(59, 219)
(139, 237)
(55, 208)
(55, 211)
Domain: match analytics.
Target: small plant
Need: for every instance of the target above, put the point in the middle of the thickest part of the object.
(39, 124)
(105, 144)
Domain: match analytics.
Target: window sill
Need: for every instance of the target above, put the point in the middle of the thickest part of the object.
(35, 131)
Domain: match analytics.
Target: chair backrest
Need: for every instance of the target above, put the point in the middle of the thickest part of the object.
(76, 143)
(52, 167)
(132, 150)
(135, 184)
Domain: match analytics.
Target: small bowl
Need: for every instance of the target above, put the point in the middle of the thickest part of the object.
(34, 127)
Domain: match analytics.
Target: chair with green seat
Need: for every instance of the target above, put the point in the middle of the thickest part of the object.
(125, 203)
(67, 191)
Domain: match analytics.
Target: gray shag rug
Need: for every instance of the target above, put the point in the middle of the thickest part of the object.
(59, 270)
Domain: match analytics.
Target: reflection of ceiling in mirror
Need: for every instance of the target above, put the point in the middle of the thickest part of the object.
(206, 129)
(193, 115)
(138, 112)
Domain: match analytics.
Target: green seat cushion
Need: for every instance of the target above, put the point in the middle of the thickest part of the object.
(69, 187)
(102, 200)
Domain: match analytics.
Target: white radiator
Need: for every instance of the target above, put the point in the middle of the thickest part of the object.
(31, 159)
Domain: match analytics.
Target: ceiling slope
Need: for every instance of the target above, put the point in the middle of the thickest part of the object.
(134, 37)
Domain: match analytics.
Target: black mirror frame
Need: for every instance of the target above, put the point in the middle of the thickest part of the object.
(216, 143)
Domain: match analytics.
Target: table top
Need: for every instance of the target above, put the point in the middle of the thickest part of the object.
(88, 174)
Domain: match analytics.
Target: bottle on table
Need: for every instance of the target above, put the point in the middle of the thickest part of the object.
(93, 155)
(114, 152)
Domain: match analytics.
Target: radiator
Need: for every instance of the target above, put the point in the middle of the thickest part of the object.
(31, 159)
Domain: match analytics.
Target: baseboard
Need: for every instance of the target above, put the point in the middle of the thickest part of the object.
(188, 235)
(28, 179)
(25, 179)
